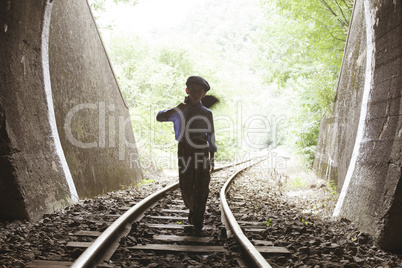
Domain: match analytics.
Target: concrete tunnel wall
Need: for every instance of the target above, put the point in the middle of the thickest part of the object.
(35, 177)
(360, 143)
(33, 174)
(92, 116)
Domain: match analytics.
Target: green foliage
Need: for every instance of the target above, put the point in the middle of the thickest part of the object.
(301, 50)
(152, 70)
(332, 186)
(150, 75)
(151, 78)
(314, 98)
(324, 22)
(145, 182)
(99, 8)
(284, 63)
(100, 5)
(297, 183)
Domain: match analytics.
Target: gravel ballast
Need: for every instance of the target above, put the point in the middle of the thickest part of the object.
(295, 206)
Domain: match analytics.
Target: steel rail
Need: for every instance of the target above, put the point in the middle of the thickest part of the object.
(91, 256)
(236, 164)
(230, 221)
(96, 252)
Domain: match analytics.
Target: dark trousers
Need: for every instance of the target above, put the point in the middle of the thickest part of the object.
(194, 179)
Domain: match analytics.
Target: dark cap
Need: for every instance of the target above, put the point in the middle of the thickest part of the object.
(198, 80)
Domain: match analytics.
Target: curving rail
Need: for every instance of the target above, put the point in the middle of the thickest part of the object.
(99, 249)
(234, 228)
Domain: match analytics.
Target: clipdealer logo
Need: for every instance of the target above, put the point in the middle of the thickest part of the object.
(98, 125)
(111, 131)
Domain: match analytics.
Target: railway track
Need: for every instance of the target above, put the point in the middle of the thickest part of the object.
(156, 228)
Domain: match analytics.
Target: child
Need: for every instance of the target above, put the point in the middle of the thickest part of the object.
(194, 130)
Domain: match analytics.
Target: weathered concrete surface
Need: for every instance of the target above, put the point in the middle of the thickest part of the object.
(371, 194)
(93, 122)
(93, 128)
(338, 130)
(33, 170)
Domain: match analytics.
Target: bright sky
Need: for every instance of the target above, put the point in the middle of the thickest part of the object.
(150, 14)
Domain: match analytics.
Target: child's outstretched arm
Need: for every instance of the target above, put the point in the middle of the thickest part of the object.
(165, 114)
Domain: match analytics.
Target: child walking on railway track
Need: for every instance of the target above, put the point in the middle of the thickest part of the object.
(194, 131)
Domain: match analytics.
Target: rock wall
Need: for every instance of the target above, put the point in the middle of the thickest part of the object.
(368, 161)
(92, 117)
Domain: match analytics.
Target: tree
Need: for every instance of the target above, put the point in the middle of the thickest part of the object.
(301, 48)
(99, 8)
